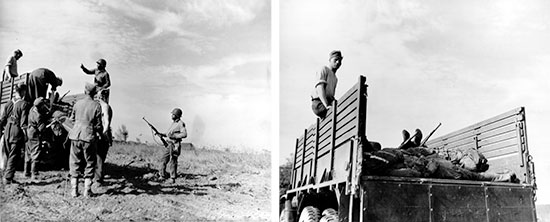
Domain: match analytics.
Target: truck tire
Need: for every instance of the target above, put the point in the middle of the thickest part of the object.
(310, 214)
(329, 215)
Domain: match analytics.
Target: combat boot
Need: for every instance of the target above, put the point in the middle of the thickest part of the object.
(74, 187)
(88, 187)
(417, 138)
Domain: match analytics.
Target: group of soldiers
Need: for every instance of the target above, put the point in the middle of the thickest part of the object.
(411, 158)
(26, 118)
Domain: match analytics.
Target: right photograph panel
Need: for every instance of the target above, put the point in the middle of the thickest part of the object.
(414, 111)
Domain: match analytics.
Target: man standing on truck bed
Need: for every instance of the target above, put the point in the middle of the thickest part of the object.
(325, 85)
(14, 118)
(84, 135)
(10, 70)
(38, 84)
(101, 80)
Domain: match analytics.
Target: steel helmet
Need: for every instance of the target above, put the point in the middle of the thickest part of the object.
(177, 112)
(102, 62)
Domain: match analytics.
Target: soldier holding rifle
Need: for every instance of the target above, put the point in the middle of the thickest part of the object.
(175, 134)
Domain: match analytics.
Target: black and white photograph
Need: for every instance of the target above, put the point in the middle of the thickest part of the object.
(136, 110)
(414, 110)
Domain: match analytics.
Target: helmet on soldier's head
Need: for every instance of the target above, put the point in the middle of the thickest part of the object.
(177, 112)
(102, 62)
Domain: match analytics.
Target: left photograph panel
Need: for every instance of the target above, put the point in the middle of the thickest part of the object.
(135, 110)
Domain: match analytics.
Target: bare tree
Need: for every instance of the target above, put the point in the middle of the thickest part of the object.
(122, 133)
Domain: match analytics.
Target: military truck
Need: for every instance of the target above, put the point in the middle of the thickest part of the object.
(328, 183)
(62, 105)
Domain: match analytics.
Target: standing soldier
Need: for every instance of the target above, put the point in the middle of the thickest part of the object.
(14, 118)
(175, 134)
(101, 80)
(10, 70)
(37, 122)
(38, 83)
(106, 139)
(325, 85)
(84, 135)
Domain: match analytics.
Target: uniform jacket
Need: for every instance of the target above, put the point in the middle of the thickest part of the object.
(14, 118)
(36, 124)
(87, 120)
(38, 83)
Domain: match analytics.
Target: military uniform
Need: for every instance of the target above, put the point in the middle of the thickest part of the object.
(175, 133)
(84, 135)
(105, 140)
(37, 122)
(14, 119)
(38, 83)
(101, 79)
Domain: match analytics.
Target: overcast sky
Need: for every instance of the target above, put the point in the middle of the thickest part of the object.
(454, 62)
(211, 58)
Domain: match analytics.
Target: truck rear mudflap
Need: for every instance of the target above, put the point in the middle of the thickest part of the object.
(418, 199)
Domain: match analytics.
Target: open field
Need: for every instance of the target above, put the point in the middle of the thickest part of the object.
(212, 185)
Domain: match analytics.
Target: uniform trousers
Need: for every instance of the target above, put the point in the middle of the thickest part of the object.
(82, 159)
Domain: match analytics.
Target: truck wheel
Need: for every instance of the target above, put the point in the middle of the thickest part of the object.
(309, 214)
(329, 215)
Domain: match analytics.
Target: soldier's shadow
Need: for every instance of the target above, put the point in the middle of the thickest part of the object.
(132, 180)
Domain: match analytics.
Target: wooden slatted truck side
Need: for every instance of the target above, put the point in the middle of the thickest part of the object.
(327, 182)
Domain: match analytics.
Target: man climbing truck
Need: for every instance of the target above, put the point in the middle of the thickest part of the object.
(331, 179)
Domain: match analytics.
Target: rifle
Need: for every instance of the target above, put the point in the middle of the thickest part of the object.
(426, 139)
(157, 133)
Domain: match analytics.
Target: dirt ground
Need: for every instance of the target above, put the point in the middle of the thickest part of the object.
(212, 185)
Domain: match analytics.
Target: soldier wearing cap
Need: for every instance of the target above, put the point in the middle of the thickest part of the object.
(13, 123)
(37, 122)
(175, 134)
(106, 138)
(10, 69)
(84, 135)
(101, 80)
(325, 85)
(38, 82)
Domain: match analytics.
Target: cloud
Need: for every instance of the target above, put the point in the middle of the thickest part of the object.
(190, 21)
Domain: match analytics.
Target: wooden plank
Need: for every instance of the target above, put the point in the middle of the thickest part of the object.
(470, 132)
(326, 124)
(352, 102)
(508, 117)
(348, 95)
(348, 116)
(345, 137)
(458, 203)
(499, 145)
(345, 127)
(495, 132)
(501, 152)
(499, 138)
(325, 132)
(325, 144)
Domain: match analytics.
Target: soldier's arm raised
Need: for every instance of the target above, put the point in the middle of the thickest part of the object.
(87, 71)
